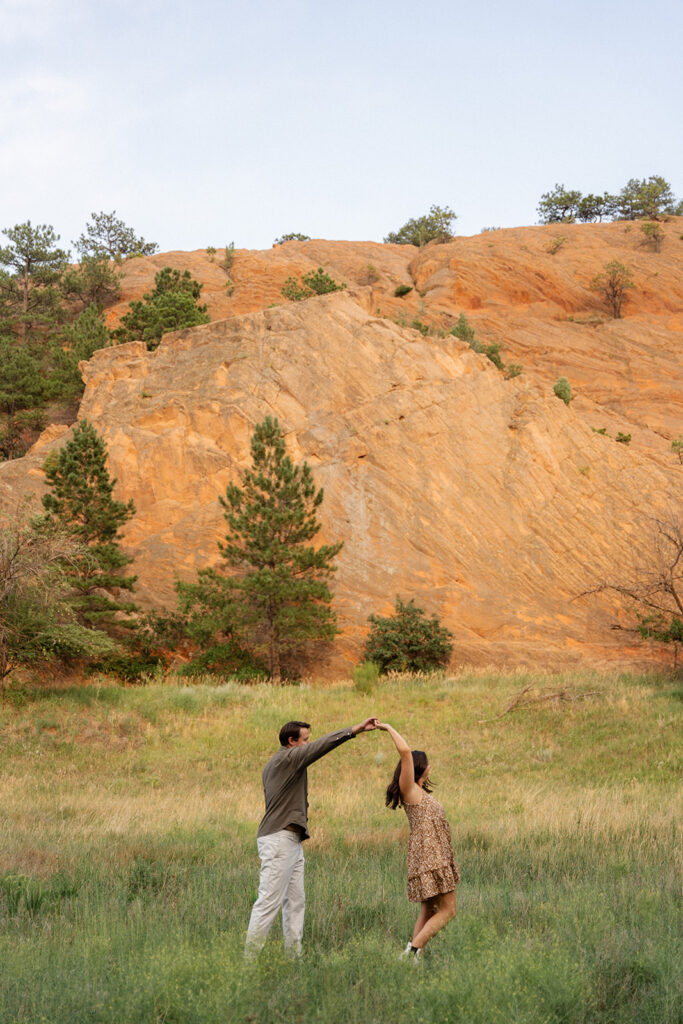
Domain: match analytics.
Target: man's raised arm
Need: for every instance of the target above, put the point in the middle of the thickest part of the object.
(313, 751)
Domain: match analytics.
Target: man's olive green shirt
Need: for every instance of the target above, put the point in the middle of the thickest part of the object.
(285, 783)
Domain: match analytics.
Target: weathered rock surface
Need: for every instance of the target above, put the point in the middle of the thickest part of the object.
(487, 500)
(527, 288)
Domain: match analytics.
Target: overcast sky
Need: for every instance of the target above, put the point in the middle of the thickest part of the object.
(213, 121)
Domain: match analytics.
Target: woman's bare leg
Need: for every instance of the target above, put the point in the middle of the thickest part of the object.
(445, 912)
(427, 910)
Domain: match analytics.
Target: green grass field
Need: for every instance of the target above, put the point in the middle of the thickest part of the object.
(128, 862)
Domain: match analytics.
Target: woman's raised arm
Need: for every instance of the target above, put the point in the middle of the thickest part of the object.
(410, 791)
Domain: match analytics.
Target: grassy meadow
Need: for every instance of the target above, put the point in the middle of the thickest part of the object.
(128, 860)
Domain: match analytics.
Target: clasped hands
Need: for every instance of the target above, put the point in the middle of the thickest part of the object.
(368, 725)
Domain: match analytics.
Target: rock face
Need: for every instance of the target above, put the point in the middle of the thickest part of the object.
(487, 500)
(526, 288)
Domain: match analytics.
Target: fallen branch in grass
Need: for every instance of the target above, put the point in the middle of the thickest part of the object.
(521, 702)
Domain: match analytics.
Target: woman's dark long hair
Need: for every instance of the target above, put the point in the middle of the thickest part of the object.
(420, 763)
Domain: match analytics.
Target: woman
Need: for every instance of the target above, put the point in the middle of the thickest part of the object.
(432, 874)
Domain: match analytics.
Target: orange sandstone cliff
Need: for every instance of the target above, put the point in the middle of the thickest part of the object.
(487, 500)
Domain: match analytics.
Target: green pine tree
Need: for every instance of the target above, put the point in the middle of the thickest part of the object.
(277, 594)
(108, 237)
(433, 226)
(94, 280)
(22, 380)
(172, 305)
(81, 499)
(76, 344)
(36, 622)
(29, 288)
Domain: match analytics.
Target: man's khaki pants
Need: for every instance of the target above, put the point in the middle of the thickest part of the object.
(281, 885)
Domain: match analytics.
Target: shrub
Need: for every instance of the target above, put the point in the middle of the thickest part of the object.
(623, 438)
(315, 283)
(677, 447)
(228, 257)
(365, 676)
(556, 244)
(172, 306)
(419, 325)
(652, 234)
(492, 352)
(130, 668)
(612, 285)
(293, 291)
(433, 227)
(321, 283)
(293, 236)
(228, 660)
(463, 329)
(407, 641)
(36, 621)
(662, 629)
(563, 389)
(401, 290)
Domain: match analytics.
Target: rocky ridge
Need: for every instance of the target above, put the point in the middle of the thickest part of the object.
(488, 500)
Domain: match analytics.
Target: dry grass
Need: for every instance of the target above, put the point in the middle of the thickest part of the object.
(149, 760)
(127, 860)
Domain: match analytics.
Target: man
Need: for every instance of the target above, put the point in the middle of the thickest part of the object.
(283, 829)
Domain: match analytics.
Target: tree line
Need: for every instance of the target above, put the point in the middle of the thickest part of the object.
(52, 317)
(67, 593)
(640, 199)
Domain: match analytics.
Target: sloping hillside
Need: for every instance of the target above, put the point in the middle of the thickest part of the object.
(488, 500)
(527, 288)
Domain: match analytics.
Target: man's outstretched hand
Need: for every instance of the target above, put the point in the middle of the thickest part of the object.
(367, 726)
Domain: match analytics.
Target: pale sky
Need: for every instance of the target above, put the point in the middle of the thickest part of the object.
(210, 121)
